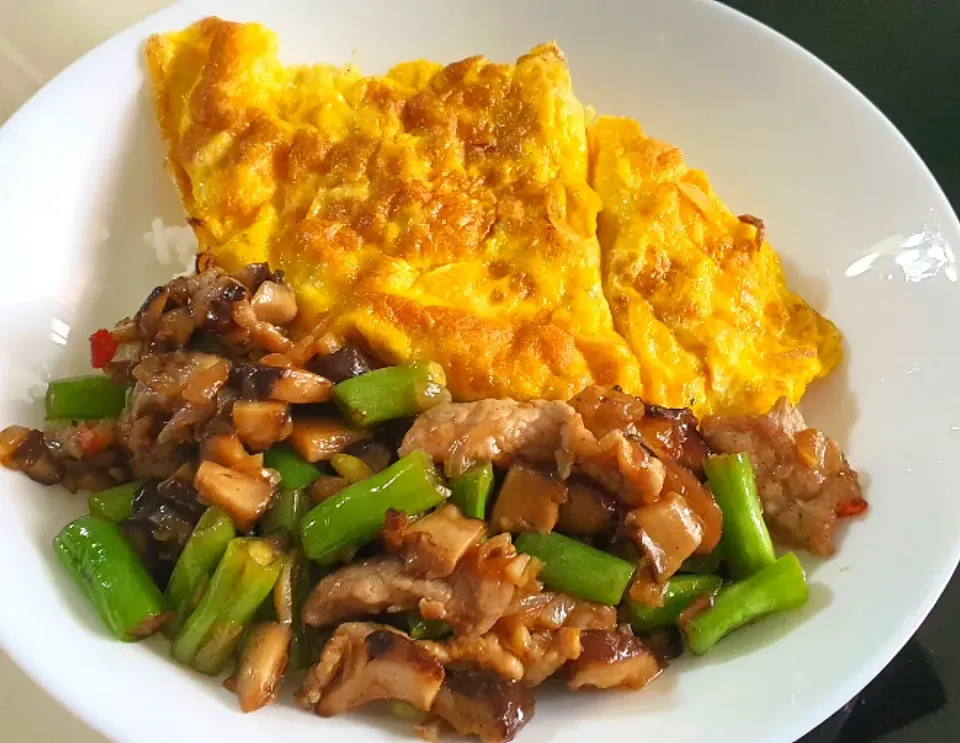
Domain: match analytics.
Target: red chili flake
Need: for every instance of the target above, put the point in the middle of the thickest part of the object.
(89, 439)
(102, 348)
(852, 508)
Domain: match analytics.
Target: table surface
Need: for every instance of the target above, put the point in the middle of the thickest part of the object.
(903, 55)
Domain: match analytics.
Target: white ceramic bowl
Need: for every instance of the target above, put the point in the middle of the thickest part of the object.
(864, 229)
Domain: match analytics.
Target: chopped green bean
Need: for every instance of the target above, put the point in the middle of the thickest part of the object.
(295, 471)
(114, 504)
(392, 392)
(470, 490)
(352, 517)
(746, 543)
(681, 591)
(289, 594)
(84, 398)
(703, 564)
(108, 571)
(284, 516)
(351, 469)
(245, 577)
(201, 554)
(777, 587)
(577, 569)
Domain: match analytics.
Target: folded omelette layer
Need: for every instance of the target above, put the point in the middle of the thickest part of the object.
(435, 212)
(450, 213)
(697, 292)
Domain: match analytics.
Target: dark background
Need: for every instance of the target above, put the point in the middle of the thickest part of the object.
(904, 55)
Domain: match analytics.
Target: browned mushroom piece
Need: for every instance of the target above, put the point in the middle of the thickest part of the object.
(261, 666)
(529, 500)
(646, 589)
(243, 498)
(301, 387)
(344, 363)
(375, 454)
(612, 659)
(325, 487)
(676, 430)
(482, 703)
(25, 450)
(226, 449)
(318, 438)
(364, 662)
(252, 329)
(433, 545)
(262, 423)
(255, 381)
(589, 511)
(274, 303)
(266, 382)
(667, 531)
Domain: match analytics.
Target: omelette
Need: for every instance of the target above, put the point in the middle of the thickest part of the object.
(697, 292)
(471, 214)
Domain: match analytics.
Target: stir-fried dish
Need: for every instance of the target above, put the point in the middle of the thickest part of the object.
(294, 505)
(467, 391)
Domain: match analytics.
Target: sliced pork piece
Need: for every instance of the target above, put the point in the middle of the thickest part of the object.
(483, 586)
(612, 659)
(601, 443)
(606, 409)
(668, 435)
(470, 600)
(481, 703)
(370, 587)
(364, 662)
(615, 460)
(432, 546)
(803, 478)
(459, 434)
(486, 651)
(514, 652)
(529, 500)
(538, 610)
(667, 531)
(545, 653)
